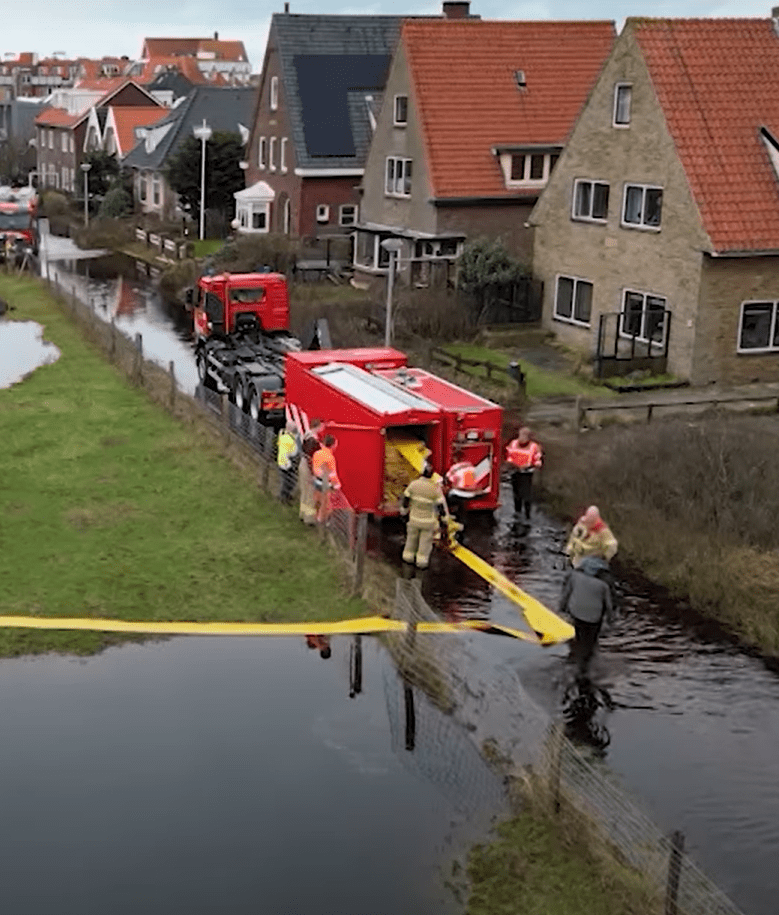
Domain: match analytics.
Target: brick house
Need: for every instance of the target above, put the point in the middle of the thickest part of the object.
(321, 84)
(62, 129)
(464, 151)
(661, 221)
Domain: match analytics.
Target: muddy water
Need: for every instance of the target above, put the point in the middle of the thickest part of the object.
(202, 775)
(686, 719)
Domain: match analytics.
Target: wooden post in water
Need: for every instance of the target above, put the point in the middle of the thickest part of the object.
(674, 873)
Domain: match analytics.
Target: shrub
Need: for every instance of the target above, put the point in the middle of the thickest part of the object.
(116, 203)
(245, 253)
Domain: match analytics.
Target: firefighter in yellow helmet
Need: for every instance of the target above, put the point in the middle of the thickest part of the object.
(424, 507)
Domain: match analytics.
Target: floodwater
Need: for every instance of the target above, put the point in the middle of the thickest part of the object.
(22, 350)
(200, 775)
(685, 718)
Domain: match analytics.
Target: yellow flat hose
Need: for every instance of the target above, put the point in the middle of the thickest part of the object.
(363, 626)
(550, 627)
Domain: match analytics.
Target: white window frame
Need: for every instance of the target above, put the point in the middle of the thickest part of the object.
(245, 213)
(642, 335)
(156, 190)
(272, 155)
(262, 153)
(772, 347)
(620, 90)
(51, 138)
(526, 180)
(344, 217)
(322, 213)
(642, 225)
(64, 179)
(72, 144)
(582, 217)
(274, 93)
(64, 141)
(577, 281)
(398, 184)
(397, 103)
(287, 216)
(283, 156)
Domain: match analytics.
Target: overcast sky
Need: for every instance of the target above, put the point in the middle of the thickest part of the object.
(92, 28)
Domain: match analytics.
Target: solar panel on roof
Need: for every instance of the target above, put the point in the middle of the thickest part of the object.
(323, 83)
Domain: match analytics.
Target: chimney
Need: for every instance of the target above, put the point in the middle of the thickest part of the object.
(456, 9)
(286, 7)
(775, 19)
(216, 36)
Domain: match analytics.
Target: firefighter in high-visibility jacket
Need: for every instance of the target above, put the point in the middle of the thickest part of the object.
(525, 457)
(424, 507)
(461, 487)
(326, 482)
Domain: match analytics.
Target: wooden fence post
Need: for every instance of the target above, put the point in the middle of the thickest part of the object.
(138, 358)
(361, 547)
(649, 409)
(674, 873)
(557, 737)
(172, 371)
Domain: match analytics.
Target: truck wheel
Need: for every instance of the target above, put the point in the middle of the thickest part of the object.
(254, 404)
(238, 396)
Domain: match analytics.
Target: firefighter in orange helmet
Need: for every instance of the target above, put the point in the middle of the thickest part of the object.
(525, 457)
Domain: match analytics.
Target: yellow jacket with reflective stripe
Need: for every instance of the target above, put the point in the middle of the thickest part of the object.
(425, 497)
(287, 449)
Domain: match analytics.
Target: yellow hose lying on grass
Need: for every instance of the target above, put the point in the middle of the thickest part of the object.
(365, 625)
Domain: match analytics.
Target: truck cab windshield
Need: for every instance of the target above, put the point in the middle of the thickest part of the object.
(246, 296)
(14, 221)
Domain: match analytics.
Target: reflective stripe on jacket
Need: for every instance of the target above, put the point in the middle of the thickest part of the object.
(426, 503)
(597, 541)
(462, 476)
(524, 457)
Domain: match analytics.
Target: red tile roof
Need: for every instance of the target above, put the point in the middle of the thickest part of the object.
(467, 100)
(187, 66)
(127, 119)
(714, 80)
(222, 50)
(104, 84)
(58, 117)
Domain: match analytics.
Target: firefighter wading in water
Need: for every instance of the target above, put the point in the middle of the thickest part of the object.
(424, 507)
(526, 458)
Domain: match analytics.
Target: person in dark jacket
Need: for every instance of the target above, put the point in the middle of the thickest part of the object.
(587, 598)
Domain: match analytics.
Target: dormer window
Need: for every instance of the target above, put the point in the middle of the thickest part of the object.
(527, 168)
(400, 118)
(520, 79)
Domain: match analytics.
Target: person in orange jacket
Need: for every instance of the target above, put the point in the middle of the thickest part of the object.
(460, 487)
(325, 471)
(525, 457)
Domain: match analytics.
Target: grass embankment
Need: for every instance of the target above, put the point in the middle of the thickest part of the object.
(694, 506)
(536, 867)
(111, 508)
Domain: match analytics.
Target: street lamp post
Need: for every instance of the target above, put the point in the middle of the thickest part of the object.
(393, 247)
(203, 133)
(85, 167)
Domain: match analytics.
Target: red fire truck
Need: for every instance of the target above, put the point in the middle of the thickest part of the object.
(18, 222)
(382, 413)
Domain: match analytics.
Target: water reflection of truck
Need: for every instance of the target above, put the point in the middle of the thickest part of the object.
(18, 223)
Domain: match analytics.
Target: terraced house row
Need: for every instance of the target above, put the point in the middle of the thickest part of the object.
(634, 173)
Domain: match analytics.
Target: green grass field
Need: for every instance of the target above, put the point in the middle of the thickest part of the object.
(111, 508)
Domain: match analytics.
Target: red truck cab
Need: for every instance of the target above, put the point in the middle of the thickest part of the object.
(224, 302)
(18, 218)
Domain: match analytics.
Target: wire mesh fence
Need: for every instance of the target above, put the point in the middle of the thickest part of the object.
(532, 744)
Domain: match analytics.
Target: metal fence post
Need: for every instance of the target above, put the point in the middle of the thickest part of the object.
(674, 873)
